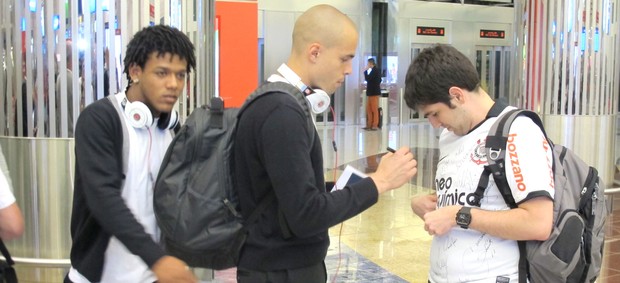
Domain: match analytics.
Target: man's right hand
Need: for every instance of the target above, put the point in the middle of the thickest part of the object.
(394, 170)
(170, 269)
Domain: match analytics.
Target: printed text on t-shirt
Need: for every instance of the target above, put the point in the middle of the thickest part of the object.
(514, 161)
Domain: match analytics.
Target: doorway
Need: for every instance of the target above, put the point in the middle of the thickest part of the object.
(493, 66)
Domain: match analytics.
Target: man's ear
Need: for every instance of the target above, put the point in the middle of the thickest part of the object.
(457, 94)
(313, 51)
(135, 71)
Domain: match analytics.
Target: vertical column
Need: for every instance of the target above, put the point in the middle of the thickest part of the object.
(205, 17)
(113, 32)
(567, 70)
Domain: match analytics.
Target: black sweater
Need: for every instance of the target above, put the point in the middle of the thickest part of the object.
(273, 153)
(373, 82)
(99, 210)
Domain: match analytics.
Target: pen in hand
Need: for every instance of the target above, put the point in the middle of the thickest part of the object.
(391, 149)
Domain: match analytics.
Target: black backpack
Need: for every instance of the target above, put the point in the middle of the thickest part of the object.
(195, 202)
(7, 272)
(574, 250)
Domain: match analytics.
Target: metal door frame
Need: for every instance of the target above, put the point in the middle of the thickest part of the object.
(498, 84)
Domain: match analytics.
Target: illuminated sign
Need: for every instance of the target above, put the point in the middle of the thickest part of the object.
(486, 33)
(435, 31)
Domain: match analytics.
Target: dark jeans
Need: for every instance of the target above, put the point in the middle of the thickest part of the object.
(311, 274)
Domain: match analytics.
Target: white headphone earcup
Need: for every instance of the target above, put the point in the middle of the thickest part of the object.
(138, 114)
(319, 101)
(173, 120)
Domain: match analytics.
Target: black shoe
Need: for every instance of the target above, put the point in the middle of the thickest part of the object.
(366, 128)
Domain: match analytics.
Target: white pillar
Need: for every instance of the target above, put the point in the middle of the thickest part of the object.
(568, 73)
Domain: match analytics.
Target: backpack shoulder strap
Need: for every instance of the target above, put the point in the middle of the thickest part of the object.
(498, 137)
(495, 111)
(498, 134)
(271, 87)
(495, 148)
(5, 253)
(121, 117)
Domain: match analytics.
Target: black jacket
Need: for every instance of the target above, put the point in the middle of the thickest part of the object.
(273, 153)
(99, 210)
(373, 82)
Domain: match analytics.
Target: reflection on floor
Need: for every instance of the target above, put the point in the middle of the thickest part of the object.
(345, 265)
(387, 243)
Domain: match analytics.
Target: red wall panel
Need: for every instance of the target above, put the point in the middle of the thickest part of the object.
(238, 37)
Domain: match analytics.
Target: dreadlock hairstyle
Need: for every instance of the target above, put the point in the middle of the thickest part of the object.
(161, 39)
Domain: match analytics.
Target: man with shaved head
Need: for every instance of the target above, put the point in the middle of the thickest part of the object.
(274, 154)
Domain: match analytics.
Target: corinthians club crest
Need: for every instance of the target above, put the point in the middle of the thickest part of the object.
(478, 156)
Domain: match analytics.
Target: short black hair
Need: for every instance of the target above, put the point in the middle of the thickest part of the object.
(371, 60)
(434, 71)
(161, 39)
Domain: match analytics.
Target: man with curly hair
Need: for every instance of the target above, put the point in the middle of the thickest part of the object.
(113, 226)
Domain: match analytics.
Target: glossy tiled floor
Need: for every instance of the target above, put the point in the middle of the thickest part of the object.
(387, 243)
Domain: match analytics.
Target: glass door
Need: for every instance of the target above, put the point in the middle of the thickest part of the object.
(493, 65)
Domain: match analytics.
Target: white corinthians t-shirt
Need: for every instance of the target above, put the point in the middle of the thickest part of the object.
(467, 255)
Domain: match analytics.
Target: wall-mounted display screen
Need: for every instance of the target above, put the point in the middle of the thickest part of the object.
(487, 33)
(435, 31)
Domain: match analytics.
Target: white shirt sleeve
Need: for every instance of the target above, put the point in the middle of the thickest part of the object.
(6, 196)
(529, 161)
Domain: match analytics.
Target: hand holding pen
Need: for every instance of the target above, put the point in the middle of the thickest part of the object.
(395, 169)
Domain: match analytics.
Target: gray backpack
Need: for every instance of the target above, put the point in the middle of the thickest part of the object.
(194, 198)
(574, 250)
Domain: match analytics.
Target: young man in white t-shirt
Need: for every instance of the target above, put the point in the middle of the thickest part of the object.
(11, 218)
(443, 84)
(115, 237)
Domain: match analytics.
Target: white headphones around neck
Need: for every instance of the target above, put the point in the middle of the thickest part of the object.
(317, 98)
(139, 116)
